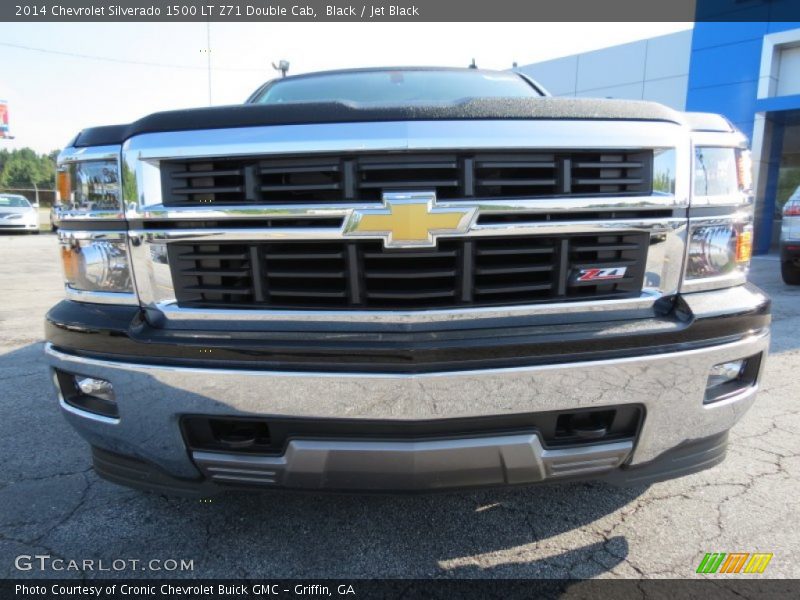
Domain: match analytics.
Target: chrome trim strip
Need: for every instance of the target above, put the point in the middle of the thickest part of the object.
(92, 215)
(91, 234)
(657, 225)
(735, 200)
(101, 297)
(736, 278)
(85, 414)
(404, 135)
(732, 139)
(432, 464)
(177, 315)
(73, 154)
(233, 235)
(486, 207)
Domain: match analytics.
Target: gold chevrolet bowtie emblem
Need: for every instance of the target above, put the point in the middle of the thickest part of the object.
(409, 220)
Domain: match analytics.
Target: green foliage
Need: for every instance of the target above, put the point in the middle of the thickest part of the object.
(23, 168)
(788, 182)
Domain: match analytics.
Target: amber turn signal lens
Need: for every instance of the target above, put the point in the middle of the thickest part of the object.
(744, 170)
(744, 246)
(63, 185)
(71, 262)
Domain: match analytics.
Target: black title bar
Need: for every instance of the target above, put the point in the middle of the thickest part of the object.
(398, 10)
(391, 589)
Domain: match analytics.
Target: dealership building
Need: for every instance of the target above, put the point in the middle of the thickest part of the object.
(748, 71)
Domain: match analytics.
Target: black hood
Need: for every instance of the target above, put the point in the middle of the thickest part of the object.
(251, 115)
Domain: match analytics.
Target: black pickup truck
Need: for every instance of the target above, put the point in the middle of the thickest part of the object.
(406, 279)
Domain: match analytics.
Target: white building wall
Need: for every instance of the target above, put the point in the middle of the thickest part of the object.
(656, 69)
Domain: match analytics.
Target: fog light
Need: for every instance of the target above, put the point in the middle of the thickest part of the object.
(90, 394)
(99, 388)
(730, 378)
(725, 372)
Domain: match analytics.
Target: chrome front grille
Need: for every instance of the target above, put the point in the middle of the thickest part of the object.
(344, 178)
(276, 190)
(460, 272)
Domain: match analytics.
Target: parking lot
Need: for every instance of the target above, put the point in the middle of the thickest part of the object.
(52, 502)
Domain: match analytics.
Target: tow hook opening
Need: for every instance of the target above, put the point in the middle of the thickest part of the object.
(590, 425)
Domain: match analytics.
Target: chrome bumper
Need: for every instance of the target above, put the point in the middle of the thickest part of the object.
(152, 400)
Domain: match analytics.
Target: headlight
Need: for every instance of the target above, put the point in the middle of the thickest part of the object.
(89, 188)
(96, 262)
(95, 258)
(722, 175)
(719, 250)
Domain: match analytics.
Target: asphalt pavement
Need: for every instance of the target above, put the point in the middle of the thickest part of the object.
(54, 505)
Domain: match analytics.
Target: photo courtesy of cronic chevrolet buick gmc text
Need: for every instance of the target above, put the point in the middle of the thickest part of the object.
(406, 279)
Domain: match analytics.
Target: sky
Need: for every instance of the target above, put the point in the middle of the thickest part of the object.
(118, 72)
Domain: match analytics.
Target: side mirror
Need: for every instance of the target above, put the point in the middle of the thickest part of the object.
(35, 205)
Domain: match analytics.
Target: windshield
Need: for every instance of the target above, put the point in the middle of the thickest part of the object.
(14, 202)
(400, 86)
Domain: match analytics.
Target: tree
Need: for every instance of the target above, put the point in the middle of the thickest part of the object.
(23, 168)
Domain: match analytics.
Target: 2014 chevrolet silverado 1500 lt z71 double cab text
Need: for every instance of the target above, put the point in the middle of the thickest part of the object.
(406, 279)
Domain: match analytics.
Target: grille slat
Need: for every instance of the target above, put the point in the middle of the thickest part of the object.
(363, 177)
(213, 256)
(409, 295)
(415, 274)
(310, 187)
(304, 274)
(512, 289)
(608, 165)
(300, 256)
(412, 255)
(594, 283)
(207, 173)
(220, 289)
(608, 181)
(218, 272)
(604, 247)
(408, 166)
(306, 293)
(363, 275)
(511, 182)
(509, 270)
(512, 251)
(604, 263)
(411, 183)
(189, 191)
(299, 169)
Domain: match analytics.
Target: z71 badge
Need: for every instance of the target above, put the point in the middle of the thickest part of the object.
(601, 274)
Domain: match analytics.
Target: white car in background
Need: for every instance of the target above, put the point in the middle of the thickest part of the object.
(790, 240)
(17, 214)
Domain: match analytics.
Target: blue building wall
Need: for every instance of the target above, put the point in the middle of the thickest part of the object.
(724, 74)
(724, 70)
